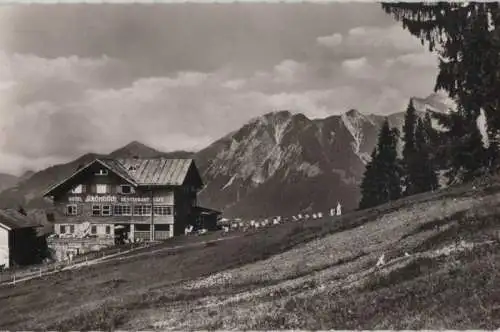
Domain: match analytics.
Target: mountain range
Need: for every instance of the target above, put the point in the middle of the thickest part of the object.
(277, 164)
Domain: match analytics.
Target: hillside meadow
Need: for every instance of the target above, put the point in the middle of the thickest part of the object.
(441, 252)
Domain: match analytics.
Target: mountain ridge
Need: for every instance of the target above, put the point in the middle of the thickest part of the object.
(277, 163)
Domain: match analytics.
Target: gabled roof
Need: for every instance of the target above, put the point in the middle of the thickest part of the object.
(13, 219)
(142, 172)
(120, 172)
(155, 171)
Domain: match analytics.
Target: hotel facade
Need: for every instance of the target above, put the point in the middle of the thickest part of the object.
(112, 201)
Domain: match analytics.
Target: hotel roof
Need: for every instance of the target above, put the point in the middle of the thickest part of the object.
(141, 172)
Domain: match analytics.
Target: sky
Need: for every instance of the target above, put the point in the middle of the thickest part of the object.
(91, 78)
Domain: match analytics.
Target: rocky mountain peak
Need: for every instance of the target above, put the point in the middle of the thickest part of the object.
(135, 149)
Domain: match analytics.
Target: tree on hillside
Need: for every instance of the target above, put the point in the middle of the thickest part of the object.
(431, 133)
(467, 39)
(381, 180)
(462, 152)
(426, 177)
(409, 150)
(370, 196)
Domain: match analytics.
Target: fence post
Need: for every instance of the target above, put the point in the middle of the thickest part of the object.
(14, 282)
(40, 272)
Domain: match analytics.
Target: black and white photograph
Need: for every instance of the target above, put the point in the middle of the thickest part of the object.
(330, 165)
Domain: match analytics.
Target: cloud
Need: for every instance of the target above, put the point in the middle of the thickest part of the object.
(422, 60)
(58, 79)
(377, 42)
(355, 64)
(55, 109)
(393, 37)
(234, 84)
(330, 41)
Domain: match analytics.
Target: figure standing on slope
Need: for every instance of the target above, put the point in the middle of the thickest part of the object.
(339, 209)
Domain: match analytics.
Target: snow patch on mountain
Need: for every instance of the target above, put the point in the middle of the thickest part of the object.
(230, 182)
(309, 170)
(365, 157)
(353, 121)
(280, 129)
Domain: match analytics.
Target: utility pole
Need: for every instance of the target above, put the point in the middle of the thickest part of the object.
(152, 227)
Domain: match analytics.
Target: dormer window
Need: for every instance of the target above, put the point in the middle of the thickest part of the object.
(102, 172)
(126, 189)
(102, 189)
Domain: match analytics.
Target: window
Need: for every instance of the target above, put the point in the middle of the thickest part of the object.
(102, 171)
(162, 227)
(108, 229)
(93, 229)
(162, 210)
(72, 229)
(106, 210)
(142, 227)
(62, 229)
(80, 189)
(96, 210)
(71, 210)
(126, 189)
(142, 210)
(122, 210)
(102, 189)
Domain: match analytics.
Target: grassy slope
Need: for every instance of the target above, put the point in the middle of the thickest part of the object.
(310, 275)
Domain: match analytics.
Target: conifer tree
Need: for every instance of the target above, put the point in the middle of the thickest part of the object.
(381, 180)
(409, 150)
(370, 196)
(426, 179)
(467, 39)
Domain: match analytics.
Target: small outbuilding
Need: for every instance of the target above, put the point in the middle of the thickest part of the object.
(207, 218)
(19, 240)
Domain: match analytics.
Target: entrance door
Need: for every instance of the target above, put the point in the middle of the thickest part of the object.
(121, 233)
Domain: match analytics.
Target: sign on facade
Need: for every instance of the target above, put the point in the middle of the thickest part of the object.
(114, 199)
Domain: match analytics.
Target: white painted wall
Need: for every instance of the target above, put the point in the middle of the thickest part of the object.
(4, 247)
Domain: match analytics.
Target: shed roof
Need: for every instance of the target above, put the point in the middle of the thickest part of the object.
(207, 211)
(13, 219)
